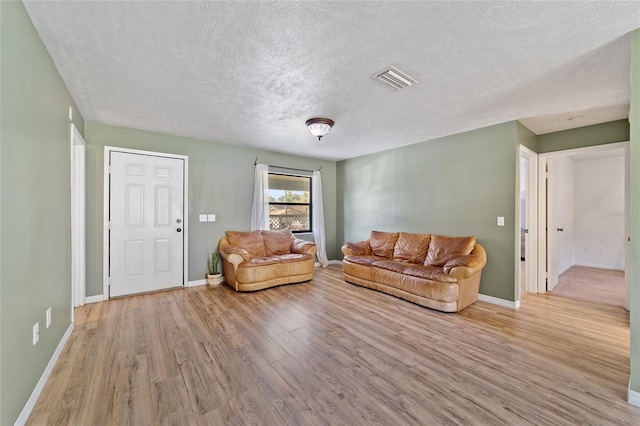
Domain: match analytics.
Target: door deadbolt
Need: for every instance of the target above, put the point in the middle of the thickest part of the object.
(179, 220)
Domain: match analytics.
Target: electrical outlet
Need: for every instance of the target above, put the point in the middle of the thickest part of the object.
(36, 333)
(600, 249)
(49, 317)
(586, 248)
(70, 114)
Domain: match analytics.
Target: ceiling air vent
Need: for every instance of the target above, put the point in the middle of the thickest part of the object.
(395, 78)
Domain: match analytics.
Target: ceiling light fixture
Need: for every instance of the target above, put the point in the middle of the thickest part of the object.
(319, 126)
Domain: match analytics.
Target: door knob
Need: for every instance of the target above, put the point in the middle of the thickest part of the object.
(179, 229)
(560, 229)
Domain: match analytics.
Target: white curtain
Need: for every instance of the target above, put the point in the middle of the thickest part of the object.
(318, 219)
(260, 207)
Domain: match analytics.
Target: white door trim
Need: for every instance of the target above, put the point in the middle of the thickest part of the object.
(532, 214)
(542, 194)
(78, 219)
(105, 217)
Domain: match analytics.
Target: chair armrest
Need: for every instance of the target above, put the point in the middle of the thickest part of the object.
(300, 246)
(360, 248)
(234, 255)
(466, 266)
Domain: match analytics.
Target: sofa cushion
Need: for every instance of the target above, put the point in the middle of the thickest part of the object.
(250, 241)
(292, 257)
(360, 248)
(443, 249)
(411, 247)
(277, 242)
(259, 261)
(362, 260)
(429, 272)
(382, 243)
(391, 265)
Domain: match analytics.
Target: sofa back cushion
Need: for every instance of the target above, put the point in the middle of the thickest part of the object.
(277, 242)
(443, 249)
(250, 241)
(411, 247)
(382, 243)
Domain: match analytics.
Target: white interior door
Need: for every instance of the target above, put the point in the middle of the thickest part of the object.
(552, 229)
(146, 213)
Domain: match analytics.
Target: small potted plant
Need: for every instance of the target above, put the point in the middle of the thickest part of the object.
(214, 277)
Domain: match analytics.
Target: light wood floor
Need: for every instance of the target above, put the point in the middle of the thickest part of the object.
(328, 352)
(592, 284)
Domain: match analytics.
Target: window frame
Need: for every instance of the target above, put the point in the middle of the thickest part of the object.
(281, 203)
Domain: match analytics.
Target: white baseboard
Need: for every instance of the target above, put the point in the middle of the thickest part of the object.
(197, 283)
(94, 299)
(562, 271)
(589, 265)
(633, 397)
(499, 302)
(31, 402)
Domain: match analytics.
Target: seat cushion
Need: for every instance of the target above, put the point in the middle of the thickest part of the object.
(292, 257)
(362, 260)
(391, 265)
(411, 247)
(382, 243)
(259, 261)
(429, 272)
(252, 242)
(277, 242)
(443, 249)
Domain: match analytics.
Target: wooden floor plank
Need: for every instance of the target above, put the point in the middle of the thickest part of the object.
(328, 352)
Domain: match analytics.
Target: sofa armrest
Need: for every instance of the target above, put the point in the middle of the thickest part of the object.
(234, 255)
(300, 246)
(466, 266)
(360, 248)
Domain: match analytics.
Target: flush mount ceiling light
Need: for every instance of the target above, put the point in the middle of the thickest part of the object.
(319, 126)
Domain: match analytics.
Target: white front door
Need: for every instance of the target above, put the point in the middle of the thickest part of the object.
(146, 242)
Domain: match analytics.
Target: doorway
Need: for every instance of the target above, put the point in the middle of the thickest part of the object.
(145, 221)
(583, 204)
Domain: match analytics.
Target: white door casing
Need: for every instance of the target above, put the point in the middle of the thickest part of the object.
(78, 219)
(146, 221)
(531, 206)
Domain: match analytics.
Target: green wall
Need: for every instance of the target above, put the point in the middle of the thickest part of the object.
(35, 229)
(456, 185)
(634, 270)
(220, 182)
(598, 134)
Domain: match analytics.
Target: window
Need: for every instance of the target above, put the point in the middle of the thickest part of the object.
(289, 202)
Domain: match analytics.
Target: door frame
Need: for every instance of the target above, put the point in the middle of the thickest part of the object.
(106, 204)
(78, 219)
(532, 214)
(542, 206)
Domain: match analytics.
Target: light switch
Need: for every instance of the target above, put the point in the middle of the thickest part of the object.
(203, 218)
(500, 220)
(211, 218)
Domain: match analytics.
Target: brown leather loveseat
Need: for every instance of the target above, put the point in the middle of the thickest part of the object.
(262, 259)
(435, 271)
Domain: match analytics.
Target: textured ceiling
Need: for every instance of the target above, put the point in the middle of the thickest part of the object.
(251, 73)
